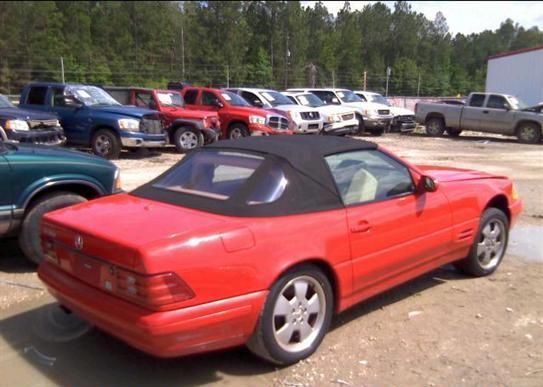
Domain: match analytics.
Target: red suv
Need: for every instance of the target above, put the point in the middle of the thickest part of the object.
(238, 118)
(187, 128)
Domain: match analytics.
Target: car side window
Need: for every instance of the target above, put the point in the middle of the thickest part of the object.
(58, 97)
(190, 97)
(251, 98)
(477, 100)
(209, 99)
(36, 95)
(362, 97)
(497, 102)
(369, 175)
(144, 100)
(326, 96)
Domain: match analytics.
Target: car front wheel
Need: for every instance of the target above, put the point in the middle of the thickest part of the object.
(106, 144)
(489, 246)
(295, 318)
(29, 238)
(186, 139)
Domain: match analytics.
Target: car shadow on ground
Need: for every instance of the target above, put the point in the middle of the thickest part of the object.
(70, 357)
(472, 137)
(12, 259)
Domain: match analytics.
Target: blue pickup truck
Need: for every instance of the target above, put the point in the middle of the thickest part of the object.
(91, 117)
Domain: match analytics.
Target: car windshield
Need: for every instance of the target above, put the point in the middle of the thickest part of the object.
(170, 99)
(378, 98)
(517, 104)
(4, 102)
(348, 96)
(310, 100)
(276, 99)
(234, 99)
(91, 96)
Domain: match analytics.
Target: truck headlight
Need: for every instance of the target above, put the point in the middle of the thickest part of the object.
(257, 120)
(17, 125)
(333, 118)
(129, 124)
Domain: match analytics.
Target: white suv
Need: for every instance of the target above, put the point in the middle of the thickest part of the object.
(338, 120)
(404, 119)
(303, 119)
(372, 117)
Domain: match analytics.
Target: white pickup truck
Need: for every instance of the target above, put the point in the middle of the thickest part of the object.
(483, 112)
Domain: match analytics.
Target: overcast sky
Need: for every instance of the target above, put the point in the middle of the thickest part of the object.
(466, 16)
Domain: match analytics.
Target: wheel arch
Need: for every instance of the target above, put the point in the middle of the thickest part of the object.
(526, 121)
(501, 203)
(429, 116)
(237, 121)
(106, 127)
(177, 124)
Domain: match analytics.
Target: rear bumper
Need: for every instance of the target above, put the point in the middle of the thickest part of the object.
(201, 328)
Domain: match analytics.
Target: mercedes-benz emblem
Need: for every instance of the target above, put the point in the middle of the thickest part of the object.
(78, 242)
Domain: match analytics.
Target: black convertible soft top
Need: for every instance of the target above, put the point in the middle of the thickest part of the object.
(311, 185)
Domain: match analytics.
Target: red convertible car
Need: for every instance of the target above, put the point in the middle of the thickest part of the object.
(259, 241)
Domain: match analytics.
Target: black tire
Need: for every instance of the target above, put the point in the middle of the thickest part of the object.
(186, 139)
(453, 132)
(106, 144)
(265, 342)
(361, 125)
(29, 238)
(435, 127)
(491, 220)
(378, 131)
(238, 130)
(528, 133)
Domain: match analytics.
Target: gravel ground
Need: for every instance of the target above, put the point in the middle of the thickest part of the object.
(440, 329)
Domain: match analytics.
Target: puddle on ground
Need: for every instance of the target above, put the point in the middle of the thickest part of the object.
(526, 242)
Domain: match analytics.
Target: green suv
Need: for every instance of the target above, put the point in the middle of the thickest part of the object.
(38, 179)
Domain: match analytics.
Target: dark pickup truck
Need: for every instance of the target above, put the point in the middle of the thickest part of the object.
(187, 128)
(91, 117)
(25, 126)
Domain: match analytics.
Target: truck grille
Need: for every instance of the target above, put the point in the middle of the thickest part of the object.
(151, 125)
(383, 112)
(277, 122)
(347, 117)
(310, 115)
(38, 124)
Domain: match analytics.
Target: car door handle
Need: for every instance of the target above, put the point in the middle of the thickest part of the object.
(485, 111)
(361, 226)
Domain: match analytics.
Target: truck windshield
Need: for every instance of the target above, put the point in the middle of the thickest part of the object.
(310, 100)
(91, 96)
(276, 99)
(348, 96)
(378, 98)
(170, 99)
(517, 104)
(4, 102)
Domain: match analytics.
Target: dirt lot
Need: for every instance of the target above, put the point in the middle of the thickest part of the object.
(441, 329)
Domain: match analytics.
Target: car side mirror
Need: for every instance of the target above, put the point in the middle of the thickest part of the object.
(335, 100)
(71, 101)
(428, 184)
(258, 103)
(219, 104)
(507, 107)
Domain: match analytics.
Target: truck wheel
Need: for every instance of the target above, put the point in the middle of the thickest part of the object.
(435, 127)
(106, 144)
(186, 139)
(237, 131)
(453, 132)
(29, 238)
(361, 127)
(528, 133)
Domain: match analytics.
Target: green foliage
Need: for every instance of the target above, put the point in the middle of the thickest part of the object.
(274, 44)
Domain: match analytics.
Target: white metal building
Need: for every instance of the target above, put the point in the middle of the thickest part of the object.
(518, 73)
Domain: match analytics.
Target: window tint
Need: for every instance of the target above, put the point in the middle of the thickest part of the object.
(270, 188)
(497, 102)
(365, 176)
(477, 100)
(121, 96)
(251, 98)
(58, 97)
(213, 174)
(326, 96)
(362, 97)
(209, 99)
(36, 95)
(190, 97)
(144, 99)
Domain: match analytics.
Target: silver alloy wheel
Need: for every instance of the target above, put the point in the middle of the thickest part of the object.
(188, 140)
(103, 145)
(433, 129)
(491, 245)
(528, 133)
(236, 133)
(299, 314)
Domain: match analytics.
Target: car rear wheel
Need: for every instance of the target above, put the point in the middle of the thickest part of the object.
(435, 127)
(454, 132)
(237, 131)
(361, 126)
(529, 133)
(29, 238)
(489, 246)
(295, 317)
(106, 144)
(186, 139)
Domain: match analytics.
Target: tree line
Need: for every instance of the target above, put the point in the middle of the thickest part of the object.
(275, 44)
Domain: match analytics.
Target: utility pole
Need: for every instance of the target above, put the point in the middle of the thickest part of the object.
(227, 76)
(388, 76)
(182, 53)
(365, 79)
(287, 56)
(334, 79)
(418, 86)
(62, 68)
